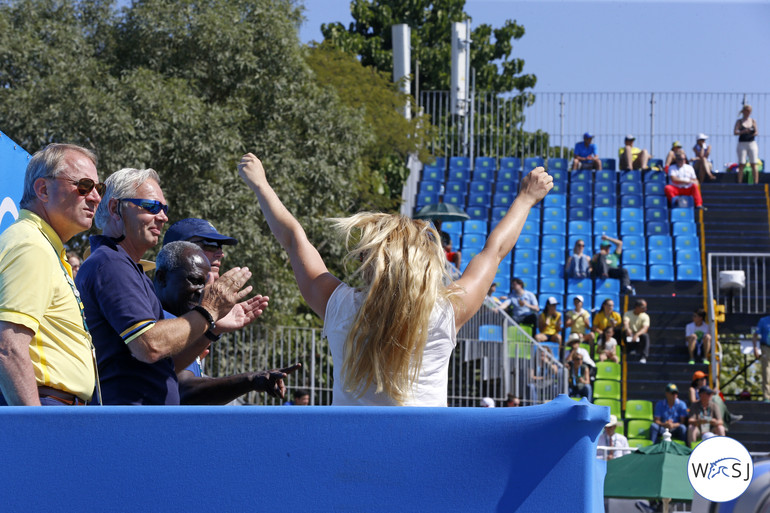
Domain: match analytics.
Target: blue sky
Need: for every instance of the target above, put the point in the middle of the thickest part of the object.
(613, 46)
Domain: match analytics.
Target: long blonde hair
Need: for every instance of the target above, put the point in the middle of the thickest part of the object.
(403, 268)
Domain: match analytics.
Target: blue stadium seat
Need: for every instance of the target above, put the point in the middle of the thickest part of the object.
(530, 282)
(631, 201)
(688, 272)
(584, 287)
(657, 228)
(506, 188)
(579, 214)
(452, 227)
(606, 175)
(543, 298)
(656, 214)
(636, 272)
(634, 188)
(551, 285)
(503, 275)
(660, 272)
(604, 188)
(552, 270)
(551, 254)
(526, 255)
(510, 163)
(601, 298)
(430, 198)
(474, 240)
(485, 163)
(688, 256)
(531, 163)
(556, 163)
(579, 188)
(480, 213)
(552, 241)
(459, 163)
(655, 202)
(588, 302)
(459, 174)
(655, 177)
(636, 256)
(485, 187)
(682, 215)
(553, 227)
(604, 214)
(429, 186)
(456, 187)
(432, 173)
(683, 228)
(682, 202)
(559, 188)
(605, 200)
(608, 164)
(468, 254)
(555, 214)
(631, 176)
(686, 242)
(506, 175)
(654, 189)
(655, 164)
(507, 261)
(660, 256)
(502, 199)
(659, 242)
(607, 286)
(580, 201)
(582, 228)
(527, 240)
(439, 162)
(555, 200)
(503, 287)
(491, 333)
(525, 269)
(631, 214)
(609, 228)
(479, 199)
(484, 174)
(560, 176)
(633, 242)
(455, 199)
(582, 175)
(631, 228)
(475, 226)
(531, 227)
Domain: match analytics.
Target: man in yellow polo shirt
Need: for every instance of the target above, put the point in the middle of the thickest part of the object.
(45, 348)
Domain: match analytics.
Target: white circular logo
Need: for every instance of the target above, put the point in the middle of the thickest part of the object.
(720, 469)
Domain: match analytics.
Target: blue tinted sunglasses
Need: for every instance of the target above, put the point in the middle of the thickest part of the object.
(151, 206)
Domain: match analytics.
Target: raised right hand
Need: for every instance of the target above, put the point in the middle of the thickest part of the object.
(536, 185)
(220, 295)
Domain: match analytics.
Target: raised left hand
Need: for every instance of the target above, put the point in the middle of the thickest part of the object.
(242, 314)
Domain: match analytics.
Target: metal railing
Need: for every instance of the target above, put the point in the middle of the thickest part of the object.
(478, 368)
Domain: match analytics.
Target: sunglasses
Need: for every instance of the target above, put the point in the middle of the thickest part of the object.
(152, 206)
(84, 185)
(208, 245)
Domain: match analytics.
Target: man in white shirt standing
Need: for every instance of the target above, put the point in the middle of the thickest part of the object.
(683, 180)
(609, 438)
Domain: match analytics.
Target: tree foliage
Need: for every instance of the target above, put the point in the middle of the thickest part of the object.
(369, 38)
(186, 88)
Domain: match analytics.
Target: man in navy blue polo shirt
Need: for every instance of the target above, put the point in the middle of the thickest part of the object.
(138, 350)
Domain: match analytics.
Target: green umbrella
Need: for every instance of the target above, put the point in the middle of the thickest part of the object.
(442, 212)
(654, 472)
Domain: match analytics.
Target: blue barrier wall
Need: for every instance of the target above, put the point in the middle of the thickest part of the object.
(538, 459)
(13, 162)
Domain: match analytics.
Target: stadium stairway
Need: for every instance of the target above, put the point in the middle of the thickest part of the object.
(735, 218)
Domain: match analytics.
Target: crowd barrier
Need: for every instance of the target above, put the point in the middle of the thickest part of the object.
(373, 459)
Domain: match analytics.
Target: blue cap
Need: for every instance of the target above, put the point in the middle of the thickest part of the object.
(186, 229)
(588, 135)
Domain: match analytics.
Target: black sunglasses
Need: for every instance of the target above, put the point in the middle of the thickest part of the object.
(209, 245)
(152, 206)
(84, 185)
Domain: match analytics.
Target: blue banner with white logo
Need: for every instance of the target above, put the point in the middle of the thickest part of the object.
(13, 163)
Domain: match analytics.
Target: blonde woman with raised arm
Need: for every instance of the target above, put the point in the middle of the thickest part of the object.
(392, 338)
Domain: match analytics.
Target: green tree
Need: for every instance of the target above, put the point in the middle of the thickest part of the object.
(369, 37)
(186, 88)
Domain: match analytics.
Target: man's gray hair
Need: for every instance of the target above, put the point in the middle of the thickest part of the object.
(121, 184)
(48, 163)
(172, 255)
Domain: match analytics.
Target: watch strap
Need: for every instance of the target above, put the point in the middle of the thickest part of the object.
(206, 315)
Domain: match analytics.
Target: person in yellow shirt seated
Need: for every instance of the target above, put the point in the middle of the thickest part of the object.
(632, 157)
(549, 323)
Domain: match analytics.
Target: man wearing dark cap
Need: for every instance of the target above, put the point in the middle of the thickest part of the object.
(203, 234)
(632, 157)
(670, 413)
(606, 264)
(705, 416)
(585, 154)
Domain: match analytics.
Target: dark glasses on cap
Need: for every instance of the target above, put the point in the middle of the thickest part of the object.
(151, 206)
(85, 185)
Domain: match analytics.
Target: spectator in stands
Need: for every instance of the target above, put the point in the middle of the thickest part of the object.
(607, 265)
(300, 397)
(491, 301)
(549, 323)
(454, 257)
(699, 379)
(74, 260)
(579, 321)
(522, 305)
(683, 180)
(705, 416)
(632, 157)
(670, 413)
(606, 316)
(671, 155)
(542, 376)
(512, 401)
(636, 325)
(585, 154)
(579, 378)
(203, 234)
(609, 438)
(574, 347)
(606, 346)
(391, 337)
(761, 337)
(578, 264)
(746, 130)
(487, 402)
(698, 337)
(701, 162)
